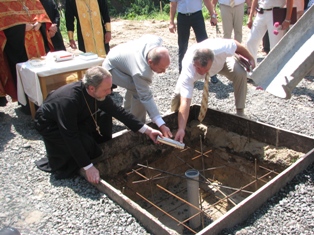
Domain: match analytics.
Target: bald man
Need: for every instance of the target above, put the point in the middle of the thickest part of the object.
(132, 65)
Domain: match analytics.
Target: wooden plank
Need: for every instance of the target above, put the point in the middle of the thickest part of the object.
(259, 131)
(151, 223)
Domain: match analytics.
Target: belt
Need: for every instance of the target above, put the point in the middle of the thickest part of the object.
(261, 10)
(188, 14)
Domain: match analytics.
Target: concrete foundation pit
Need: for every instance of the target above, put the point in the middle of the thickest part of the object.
(239, 163)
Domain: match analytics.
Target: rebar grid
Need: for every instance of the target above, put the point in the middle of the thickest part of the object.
(164, 174)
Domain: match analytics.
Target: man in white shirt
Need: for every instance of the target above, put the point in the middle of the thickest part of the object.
(216, 57)
(132, 66)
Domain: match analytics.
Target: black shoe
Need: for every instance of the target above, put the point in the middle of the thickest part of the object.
(214, 79)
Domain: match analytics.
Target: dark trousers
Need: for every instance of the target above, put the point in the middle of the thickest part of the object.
(266, 44)
(184, 23)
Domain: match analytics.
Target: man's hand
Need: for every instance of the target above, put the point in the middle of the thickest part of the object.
(72, 44)
(252, 63)
(51, 34)
(249, 23)
(213, 21)
(172, 27)
(53, 28)
(165, 131)
(180, 135)
(107, 37)
(92, 175)
(36, 26)
(285, 25)
(152, 133)
(28, 27)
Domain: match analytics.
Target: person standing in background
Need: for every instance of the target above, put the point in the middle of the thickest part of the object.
(24, 27)
(54, 31)
(264, 22)
(93, 26)
(232, 13)
(189, 16)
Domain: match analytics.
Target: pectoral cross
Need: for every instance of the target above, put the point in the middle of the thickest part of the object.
(25, 8)
(98, 130)
(89, 11)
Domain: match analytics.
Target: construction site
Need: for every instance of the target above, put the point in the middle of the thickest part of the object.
(227, 168)
(228, 165)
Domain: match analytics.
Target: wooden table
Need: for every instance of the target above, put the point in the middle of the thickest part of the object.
(37, 81)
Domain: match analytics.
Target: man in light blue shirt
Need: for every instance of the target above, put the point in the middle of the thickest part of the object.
(189, 15)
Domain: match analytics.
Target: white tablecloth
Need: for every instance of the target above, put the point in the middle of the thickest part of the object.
(27, 75)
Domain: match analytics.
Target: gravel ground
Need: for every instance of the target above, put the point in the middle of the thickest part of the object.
(36, 204)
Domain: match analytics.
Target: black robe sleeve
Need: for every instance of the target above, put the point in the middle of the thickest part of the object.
(121, 114)
(103, 7)
(70, 14)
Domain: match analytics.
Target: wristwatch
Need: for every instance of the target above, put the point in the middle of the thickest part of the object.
(214, 16)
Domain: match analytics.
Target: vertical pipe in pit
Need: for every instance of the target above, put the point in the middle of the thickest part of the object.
(193, 196)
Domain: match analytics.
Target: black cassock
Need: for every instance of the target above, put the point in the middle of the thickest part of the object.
(68, 129)
(52, 11)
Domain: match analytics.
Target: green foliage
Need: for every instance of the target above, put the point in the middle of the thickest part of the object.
(166, 8)
(140, 10)
(62, 26)
(140, 7)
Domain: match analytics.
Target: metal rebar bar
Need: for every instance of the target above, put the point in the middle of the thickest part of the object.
(181, 199)
(150, 183)
(181, 176)
(172, 194)
(208, 181)
(255, 169)
(269, 170)
(175, 219)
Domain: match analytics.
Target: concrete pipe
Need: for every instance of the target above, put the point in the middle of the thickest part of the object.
(193, 196)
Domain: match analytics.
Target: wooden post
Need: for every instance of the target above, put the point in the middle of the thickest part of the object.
(160, 6)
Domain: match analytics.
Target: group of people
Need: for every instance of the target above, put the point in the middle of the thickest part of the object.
(27, 29)
(75, 118)
(30, 28)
